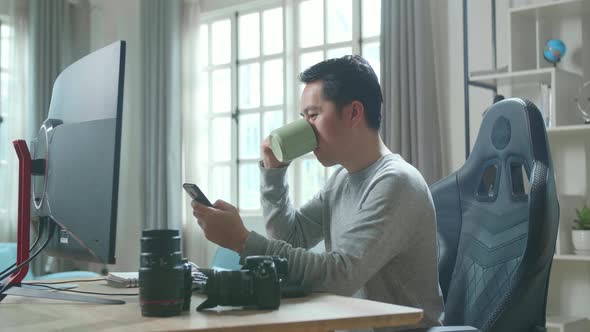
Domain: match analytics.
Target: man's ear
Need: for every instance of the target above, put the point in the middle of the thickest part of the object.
(357, 113)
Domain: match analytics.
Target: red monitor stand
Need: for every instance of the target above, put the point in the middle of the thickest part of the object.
(24, 211)
(24, 231)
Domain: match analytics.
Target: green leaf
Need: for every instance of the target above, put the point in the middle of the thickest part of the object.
(583, 220)
(585, 214)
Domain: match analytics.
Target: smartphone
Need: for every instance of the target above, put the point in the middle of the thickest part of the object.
(196, 194)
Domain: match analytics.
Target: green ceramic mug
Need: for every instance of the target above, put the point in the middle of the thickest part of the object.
(293, 140)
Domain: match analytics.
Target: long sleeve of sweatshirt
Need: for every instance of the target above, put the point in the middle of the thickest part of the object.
(301, 228)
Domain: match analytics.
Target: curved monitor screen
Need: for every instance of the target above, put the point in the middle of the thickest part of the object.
(82, 156)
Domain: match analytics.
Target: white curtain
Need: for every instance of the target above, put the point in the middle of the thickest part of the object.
(195, 126)
(58, 31)
(160, 28)
(411, 125)
(58, 35)
(18, 123)
(170, 48)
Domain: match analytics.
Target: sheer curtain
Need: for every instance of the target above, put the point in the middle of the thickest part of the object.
(51, 45)
(58, 34)
(18, 122)
(169, 103)
(161, 105)
(195, 246)
(411, 125)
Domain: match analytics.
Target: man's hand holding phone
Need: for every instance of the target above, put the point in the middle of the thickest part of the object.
(196, 194)
(220, 222)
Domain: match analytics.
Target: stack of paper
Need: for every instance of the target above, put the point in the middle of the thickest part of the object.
(123, 279)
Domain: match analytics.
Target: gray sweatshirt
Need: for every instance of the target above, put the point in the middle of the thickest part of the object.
(379, 229)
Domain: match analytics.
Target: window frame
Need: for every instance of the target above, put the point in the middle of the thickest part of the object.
(261, 109)
(233, 13)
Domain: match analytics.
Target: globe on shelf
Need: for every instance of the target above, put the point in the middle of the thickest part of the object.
(554, 50)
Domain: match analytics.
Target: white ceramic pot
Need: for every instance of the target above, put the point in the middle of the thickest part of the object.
(581, 241)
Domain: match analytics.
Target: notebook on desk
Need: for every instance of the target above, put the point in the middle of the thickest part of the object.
(123, 279)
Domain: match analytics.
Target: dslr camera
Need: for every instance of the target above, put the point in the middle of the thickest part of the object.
(257, 284)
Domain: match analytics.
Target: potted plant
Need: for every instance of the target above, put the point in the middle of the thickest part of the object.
(581, 231)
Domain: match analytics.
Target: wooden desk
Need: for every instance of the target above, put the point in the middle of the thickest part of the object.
(318, 312)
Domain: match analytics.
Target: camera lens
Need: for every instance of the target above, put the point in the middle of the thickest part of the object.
(231, 288)
(257, 284)
(162, 273)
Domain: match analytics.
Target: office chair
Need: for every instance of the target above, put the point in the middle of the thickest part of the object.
(496, 236)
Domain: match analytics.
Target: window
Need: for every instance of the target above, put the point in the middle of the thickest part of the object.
(5, 41)
(5, 36)
(247, 85)
(245, 101)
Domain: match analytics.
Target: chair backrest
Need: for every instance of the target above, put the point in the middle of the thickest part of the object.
(497, 220)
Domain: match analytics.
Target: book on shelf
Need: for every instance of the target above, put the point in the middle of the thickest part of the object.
(123, 279)
(545, 105)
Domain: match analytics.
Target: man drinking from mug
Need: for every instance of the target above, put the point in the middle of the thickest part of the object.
(375, 213)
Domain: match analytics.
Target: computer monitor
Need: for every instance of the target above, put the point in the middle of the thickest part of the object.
(80, 143)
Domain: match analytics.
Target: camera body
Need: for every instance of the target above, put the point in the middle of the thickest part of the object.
(256, 284)
(165, 279)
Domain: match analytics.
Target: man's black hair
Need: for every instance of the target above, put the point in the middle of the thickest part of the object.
(347, 79)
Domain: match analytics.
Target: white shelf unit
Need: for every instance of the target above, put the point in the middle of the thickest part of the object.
(532, 25)
(574, 258)
(565, 130)
(563, 88)
(569, 287)
(566, 324)
(570, 149)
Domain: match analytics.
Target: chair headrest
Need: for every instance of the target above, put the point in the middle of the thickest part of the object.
(511, 137)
